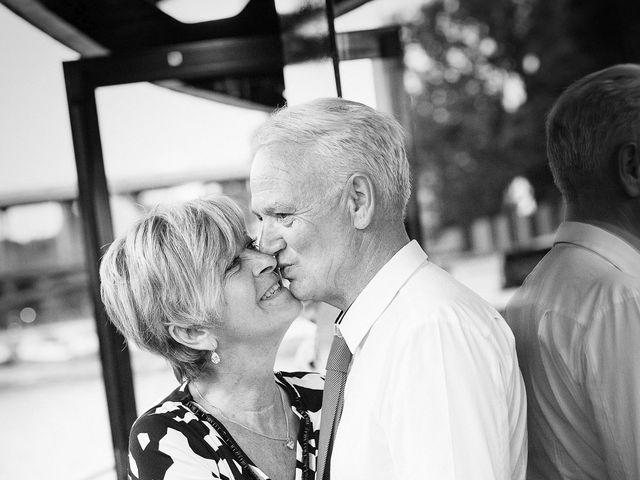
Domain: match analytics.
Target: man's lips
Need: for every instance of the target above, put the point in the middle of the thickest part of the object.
(285, 271)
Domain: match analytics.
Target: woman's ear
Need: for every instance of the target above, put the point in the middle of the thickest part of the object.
(361, 200)
(629, 169)
(198, 338)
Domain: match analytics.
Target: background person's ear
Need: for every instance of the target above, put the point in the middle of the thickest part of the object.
(629, 168)
(198, 338)
(361, 199)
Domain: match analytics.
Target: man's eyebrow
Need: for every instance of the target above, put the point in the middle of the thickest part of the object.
(277, 207)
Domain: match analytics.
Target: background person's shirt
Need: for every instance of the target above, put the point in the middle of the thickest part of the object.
(434, 390)
(576, 321)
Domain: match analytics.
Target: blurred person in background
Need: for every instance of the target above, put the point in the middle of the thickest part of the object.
(576, 318)
(185, 282)
(427, 370)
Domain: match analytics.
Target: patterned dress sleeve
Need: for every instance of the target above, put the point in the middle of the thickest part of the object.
(168, 443)
(307, 388)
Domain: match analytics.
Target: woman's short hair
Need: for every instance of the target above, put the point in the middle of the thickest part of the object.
(351, 137)
(583, 124)
(168, 270)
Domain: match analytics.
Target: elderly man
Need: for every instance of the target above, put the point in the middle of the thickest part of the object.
(577, 317)
(433, 388)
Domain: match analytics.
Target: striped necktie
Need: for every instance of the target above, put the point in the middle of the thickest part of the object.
(332, 401)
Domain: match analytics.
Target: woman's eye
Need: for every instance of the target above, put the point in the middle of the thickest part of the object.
(234, 263)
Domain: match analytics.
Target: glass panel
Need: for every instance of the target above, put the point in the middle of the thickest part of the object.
(164, 146)
(308, 72)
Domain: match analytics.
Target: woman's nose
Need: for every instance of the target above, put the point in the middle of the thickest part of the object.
(262, 263)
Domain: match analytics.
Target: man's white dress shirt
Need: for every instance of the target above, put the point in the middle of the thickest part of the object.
(434, 390)
(576, 321)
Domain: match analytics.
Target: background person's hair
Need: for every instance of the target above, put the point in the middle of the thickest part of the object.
(583, 124)
(168, 269)
(351, 137)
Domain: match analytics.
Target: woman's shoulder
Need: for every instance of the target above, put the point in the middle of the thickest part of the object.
(170, 410)
(170, 435)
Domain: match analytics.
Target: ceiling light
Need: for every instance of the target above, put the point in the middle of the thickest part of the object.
(196, 11)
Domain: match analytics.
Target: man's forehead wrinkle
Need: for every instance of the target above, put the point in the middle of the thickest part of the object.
(288, 180)
(287, 158)
(282, 166)
(275, 177)
(273, 198)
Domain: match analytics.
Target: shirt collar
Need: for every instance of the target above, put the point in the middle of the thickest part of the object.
(356, 322)
(604, 243)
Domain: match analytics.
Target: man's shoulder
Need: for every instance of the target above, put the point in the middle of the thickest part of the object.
(432, 298)
(434, 289)
(434, 309)
(571, 276)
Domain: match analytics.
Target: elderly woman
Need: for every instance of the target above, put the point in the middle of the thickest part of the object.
(187, 283)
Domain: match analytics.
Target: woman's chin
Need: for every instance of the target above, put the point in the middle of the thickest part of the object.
(284, 306)
(291, 306)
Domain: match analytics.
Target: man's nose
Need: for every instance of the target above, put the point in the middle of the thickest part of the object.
(269, 241)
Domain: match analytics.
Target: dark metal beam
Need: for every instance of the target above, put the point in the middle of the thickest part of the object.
(212, 58)
(122, 25)
(345, 6)
(378, 43)
(34, 12)
(333, 45)
(103, 27)
(98, 232)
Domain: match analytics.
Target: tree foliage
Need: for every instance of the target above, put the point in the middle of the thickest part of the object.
(483, 74)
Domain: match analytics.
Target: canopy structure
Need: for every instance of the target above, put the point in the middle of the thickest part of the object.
(112, 27)
(237, 60)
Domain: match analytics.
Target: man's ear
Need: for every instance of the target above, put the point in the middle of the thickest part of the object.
(361, 199)
(198, 338)
(629, 168)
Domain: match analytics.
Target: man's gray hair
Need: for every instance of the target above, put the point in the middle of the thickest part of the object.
(351, 137)
(168, 270)
(583, 124)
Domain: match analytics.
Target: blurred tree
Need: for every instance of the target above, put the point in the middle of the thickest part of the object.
(483, 73)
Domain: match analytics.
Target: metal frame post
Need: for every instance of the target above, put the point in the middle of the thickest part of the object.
(97, 228)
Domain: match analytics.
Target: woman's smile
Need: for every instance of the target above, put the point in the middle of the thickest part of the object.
(272, 292)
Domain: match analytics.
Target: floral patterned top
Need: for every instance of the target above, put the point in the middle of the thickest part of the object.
(177, 440)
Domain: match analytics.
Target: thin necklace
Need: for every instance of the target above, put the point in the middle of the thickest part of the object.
(289, 442)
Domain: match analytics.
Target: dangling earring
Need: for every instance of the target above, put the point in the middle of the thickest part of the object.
(215, 358)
